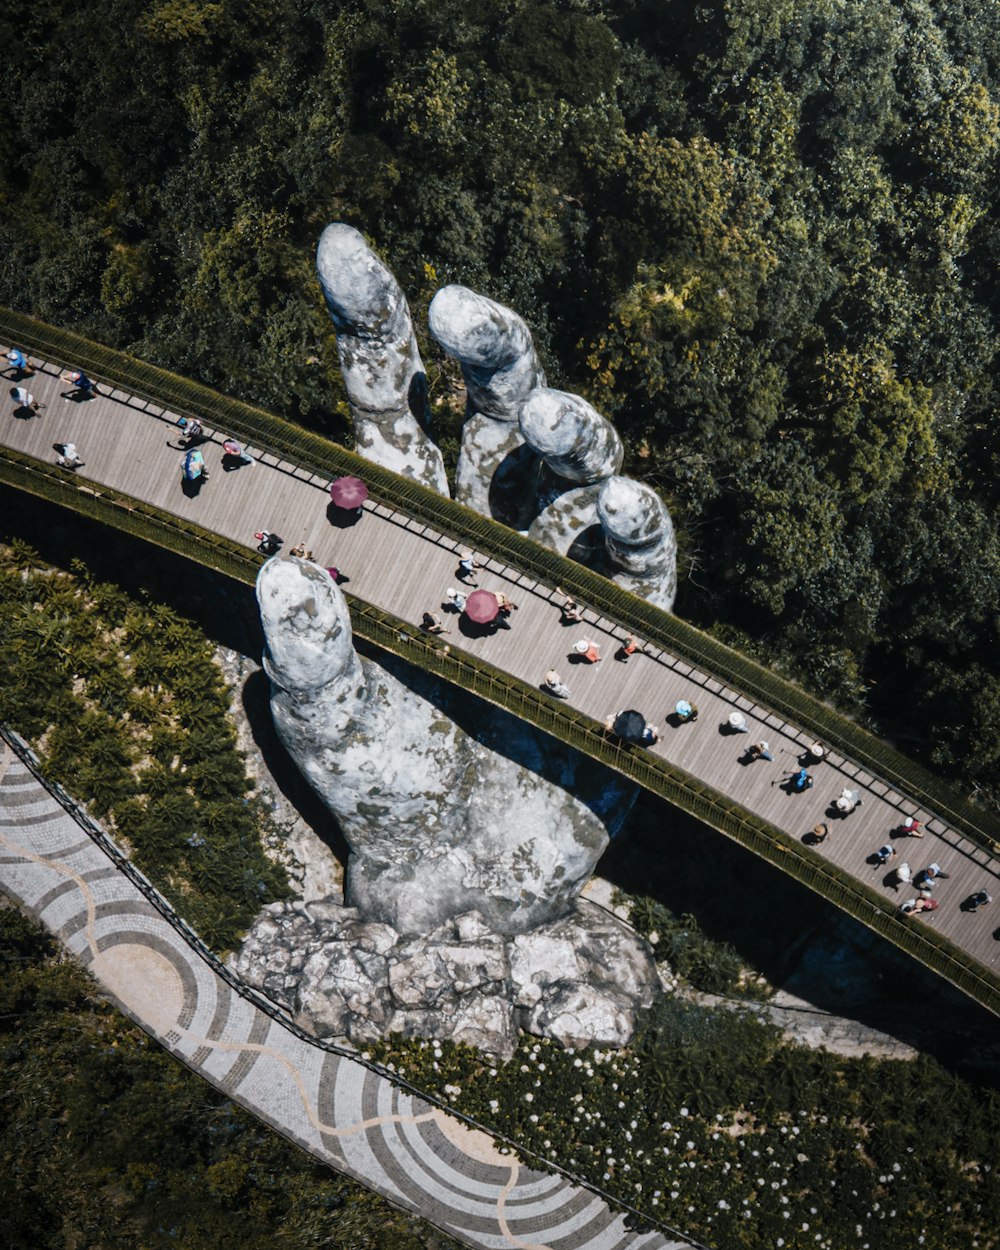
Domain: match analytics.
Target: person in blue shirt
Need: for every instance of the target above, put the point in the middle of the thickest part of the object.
(85, 388)
(19, 363)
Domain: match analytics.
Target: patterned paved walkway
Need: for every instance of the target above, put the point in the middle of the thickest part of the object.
(330, 1104)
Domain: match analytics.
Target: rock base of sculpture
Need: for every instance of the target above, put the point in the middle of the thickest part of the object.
(578, 980)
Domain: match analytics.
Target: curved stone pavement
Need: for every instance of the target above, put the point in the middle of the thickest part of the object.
(350, 1117)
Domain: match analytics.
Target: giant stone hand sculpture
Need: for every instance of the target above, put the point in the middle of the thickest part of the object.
(379, 357)
(462, 918)
(438, 823)
(497, 474)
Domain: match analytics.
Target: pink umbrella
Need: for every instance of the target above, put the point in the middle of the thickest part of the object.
(482, 607)
(348, 492)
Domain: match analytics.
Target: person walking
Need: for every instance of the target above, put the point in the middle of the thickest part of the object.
(884, 854)
(910, 828)
(979, 899)
(23, 399)
(234, 457)
(467, 568)
(69, 457)
(820, 833)
(760, 751)
(85, 387)
(192, 431)
(736, 723)
(268, 544)
(847, 801)
(19, 363)
(588, 651)
(456, 600)
(798, 781)
(628, 648)
(555, 685)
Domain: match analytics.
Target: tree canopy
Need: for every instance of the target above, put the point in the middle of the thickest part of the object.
(761, 237)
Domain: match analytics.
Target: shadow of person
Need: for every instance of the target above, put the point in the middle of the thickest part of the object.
(343, 518)
(970, 904)
(476, 629)
(76, 396)
(191, 486)
(231, 462)
(23, 412)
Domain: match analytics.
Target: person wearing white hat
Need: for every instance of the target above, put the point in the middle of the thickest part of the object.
(554, 684)
(587, 650)
(456, 600)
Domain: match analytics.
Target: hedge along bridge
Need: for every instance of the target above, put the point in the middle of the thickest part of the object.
(403, 554)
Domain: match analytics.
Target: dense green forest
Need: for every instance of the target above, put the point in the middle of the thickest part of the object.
(760, 235)
(107, 1142)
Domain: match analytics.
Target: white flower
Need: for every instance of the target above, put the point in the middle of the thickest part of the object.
(529, 1097)
(533, 1119)
(684, 1111)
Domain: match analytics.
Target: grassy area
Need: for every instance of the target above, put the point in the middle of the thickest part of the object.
(710, 1124)
(123, 702)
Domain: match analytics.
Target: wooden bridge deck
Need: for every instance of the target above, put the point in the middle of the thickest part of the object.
(405, 567)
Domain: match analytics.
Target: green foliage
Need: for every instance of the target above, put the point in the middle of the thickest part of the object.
(129, 711)
(712, 1124)
(756, 234)
(107, 1141)
(714, 967)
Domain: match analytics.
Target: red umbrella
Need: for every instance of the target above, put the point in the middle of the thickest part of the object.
(348, 492)
(482, 607)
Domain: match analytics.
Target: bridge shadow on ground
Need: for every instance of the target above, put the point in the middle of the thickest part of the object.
(797, 941)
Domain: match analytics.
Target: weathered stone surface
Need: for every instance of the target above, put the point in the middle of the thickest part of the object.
(493, 346)
(569, 524)
(578, 980)
(383, 373)
(573, 439)
(640, 540)
(438, 823)
(497, 474)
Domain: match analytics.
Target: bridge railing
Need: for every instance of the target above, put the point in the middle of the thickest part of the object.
(325, 458)
(390, 633)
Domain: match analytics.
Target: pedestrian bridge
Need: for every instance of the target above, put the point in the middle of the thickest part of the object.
(401, 556)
